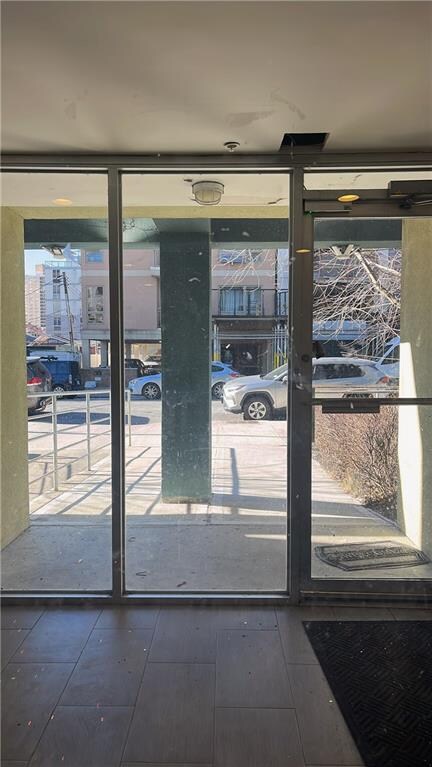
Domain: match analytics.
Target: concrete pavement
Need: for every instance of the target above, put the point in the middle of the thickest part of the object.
(237, 542)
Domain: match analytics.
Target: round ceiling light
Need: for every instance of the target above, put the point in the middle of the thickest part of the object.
(349, 197)
(62, 201)
(207, 192)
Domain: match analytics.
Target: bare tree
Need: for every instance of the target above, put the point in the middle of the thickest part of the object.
(246, 261)
(361, 286)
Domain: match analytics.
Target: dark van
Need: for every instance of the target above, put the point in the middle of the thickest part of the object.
(65, 374)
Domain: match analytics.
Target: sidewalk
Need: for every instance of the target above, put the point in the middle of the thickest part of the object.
(238, 542)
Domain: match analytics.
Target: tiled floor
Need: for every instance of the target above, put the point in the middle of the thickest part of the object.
(183, 686)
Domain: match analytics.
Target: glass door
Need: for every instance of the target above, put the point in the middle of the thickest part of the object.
(371, 390)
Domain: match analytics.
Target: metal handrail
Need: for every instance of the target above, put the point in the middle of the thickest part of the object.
(54, 396)
(71, 461)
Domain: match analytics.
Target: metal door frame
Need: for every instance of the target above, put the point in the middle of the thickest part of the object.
(299, 586)
(374, 204)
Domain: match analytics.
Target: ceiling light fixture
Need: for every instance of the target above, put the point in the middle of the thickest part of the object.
(231, 146)
(62, 201)
(349, 197)
(54, 249)
(207, 192)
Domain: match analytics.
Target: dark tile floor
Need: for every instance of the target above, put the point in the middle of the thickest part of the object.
(175, 687)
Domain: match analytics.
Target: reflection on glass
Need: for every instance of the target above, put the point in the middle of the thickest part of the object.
(357, 305)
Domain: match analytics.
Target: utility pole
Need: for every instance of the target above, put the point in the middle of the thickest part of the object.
(70, 318)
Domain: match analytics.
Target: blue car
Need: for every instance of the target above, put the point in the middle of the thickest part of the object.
(150, 386)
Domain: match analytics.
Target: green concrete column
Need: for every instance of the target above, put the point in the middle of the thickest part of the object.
(14, 465)
(186, 399)
(415, 423)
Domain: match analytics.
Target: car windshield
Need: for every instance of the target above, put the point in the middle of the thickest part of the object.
(276, 373)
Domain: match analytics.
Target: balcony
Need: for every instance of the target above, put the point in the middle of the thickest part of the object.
(250, 302)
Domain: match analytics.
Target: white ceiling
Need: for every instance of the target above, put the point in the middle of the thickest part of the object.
(88, 190)
(345, 181)
(188, 76)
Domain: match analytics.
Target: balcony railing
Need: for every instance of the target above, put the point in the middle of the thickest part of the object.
(263, 302)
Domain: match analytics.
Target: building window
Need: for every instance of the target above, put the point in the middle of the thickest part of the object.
(241, 302)
(57, 323)
(95, 308)
(239, 257)
(95, 257)
(57, 276)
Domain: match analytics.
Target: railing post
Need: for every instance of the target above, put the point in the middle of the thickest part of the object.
(88, 431)
(54, 434)
(129, 417)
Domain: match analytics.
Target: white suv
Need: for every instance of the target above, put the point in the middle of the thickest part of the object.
(260, 397)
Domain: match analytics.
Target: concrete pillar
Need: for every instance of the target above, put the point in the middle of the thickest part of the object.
(128, 351)
(14, 446)
(104, 353)
(186, 342)
(85, 352)
(415, 423)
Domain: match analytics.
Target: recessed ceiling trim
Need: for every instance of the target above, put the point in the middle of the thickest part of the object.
(247, 163)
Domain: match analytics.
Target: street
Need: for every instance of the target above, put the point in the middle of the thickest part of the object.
(72, 411)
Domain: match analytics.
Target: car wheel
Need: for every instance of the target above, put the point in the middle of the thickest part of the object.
(59, 389)
(41, 406)
(151, 391)
(217, 390)
(257, 409)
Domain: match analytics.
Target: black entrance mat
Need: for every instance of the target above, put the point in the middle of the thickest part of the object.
(381, 677)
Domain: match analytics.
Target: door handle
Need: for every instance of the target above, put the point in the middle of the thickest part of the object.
(354, 406)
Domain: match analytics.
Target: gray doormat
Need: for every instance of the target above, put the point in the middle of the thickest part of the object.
(368, 556)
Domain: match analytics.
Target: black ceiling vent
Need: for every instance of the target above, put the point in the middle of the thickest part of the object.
(303, 142)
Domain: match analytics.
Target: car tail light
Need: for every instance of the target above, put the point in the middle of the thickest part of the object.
(234, 375)
(385, 379)
(35, 380)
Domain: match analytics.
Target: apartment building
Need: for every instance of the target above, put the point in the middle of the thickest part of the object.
(141, 302)
(62, 298)
(33, 294)
(249, 305)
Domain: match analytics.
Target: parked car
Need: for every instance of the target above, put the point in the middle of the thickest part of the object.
(261, 397)
(38, 385)
(153, 362)
(65, 374)
(140, 368)
(135, 363)
(349, 377)
(150, 386)
(390, 358)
